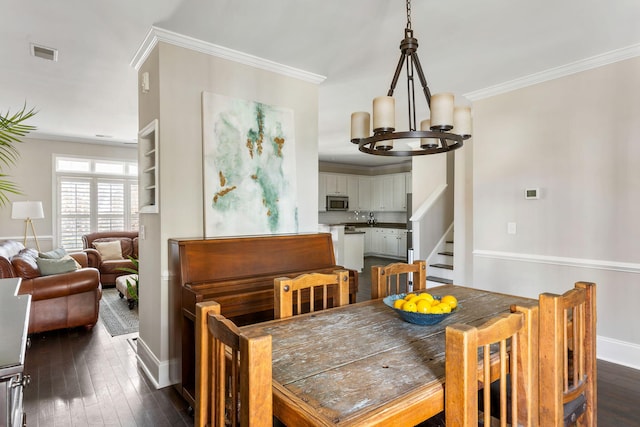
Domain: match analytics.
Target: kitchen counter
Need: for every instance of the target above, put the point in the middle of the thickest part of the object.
(400, 225)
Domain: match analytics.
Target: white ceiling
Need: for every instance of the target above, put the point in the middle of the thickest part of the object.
(465, 46)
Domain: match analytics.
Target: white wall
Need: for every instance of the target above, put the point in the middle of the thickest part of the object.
(34, 174)
(576, 138)
(178, 77)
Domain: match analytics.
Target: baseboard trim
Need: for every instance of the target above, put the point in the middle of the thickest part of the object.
(156, 371)
(619, 352)
(626, 267)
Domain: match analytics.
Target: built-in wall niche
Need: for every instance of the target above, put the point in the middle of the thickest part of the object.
(148, 190)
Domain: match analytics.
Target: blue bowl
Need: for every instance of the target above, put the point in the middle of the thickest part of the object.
(416, 318)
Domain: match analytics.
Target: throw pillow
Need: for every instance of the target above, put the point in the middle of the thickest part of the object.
(54, 254)
(109, 250)
(49, 267)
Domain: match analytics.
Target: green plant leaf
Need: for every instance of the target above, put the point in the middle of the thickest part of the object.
(12, 129)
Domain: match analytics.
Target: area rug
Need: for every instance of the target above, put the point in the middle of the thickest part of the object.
(115, 314)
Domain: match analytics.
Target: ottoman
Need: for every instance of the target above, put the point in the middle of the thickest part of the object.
(121, 286)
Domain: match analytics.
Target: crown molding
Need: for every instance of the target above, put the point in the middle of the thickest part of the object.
(156, 35)
(87, 139)
(555, 73)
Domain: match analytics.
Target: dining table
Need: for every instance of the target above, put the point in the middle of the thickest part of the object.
(363, 365)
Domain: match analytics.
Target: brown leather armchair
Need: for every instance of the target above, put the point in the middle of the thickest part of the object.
(58, 301)
(110, 269)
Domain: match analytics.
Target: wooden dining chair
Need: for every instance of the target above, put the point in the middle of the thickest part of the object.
(568, 357)
(233, 378)
(503, 350)
(333, 290)
(393, 278)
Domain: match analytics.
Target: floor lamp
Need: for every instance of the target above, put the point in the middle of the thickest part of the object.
(28, 211)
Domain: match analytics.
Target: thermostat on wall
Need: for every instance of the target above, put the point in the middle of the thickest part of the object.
(532, 193)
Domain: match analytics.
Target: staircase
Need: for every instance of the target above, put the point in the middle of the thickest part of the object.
(440, 269)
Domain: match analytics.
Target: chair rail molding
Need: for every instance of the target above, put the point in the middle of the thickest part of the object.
(626, 267)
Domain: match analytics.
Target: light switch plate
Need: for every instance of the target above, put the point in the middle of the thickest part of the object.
(512, 228)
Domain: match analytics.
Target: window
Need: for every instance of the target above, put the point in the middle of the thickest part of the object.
(94, 195)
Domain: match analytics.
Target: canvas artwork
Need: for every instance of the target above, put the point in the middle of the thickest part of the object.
(249, 167)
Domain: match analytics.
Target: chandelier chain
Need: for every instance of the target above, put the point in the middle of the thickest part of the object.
(409, 14)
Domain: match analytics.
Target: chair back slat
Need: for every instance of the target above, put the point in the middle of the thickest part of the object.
(233, 381)
(567, 357)
(503, 341)
(332, 289)
(394, 278)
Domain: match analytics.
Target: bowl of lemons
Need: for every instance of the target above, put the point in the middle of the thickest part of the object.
(422, 308)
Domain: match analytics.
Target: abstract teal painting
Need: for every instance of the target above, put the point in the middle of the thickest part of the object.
(249, 167)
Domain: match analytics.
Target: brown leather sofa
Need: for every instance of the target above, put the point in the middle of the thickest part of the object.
(109, 269)
(58, 301)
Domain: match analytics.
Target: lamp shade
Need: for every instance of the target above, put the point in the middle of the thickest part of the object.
(24, 210)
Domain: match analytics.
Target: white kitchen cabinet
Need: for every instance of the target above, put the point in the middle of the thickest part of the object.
(364, 193)
(390, 241)
(368, 232)
(399, 192)
(382, 193)
(322, 192)
(353, 193)
(336, 184)
(402, 243)
(377, 240)
(354, 251)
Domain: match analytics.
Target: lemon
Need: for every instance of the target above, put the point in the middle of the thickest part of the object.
(410, 306)
(409, 296)
(435, 302)
(414, 299)
(423, 306)
(426, 296)
(436, 309)
(398, 303)
(446, 308)
(451, 300)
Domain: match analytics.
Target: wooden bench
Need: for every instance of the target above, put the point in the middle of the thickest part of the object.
(238, 273)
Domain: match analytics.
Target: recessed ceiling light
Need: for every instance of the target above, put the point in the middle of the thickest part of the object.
(44, 52)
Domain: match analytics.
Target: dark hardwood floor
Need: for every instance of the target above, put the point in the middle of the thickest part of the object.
(83, 378)
(618, 395)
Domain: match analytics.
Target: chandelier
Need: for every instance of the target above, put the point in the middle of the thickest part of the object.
(444, 131)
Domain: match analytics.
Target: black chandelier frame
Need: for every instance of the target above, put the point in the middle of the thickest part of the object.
(447, 141)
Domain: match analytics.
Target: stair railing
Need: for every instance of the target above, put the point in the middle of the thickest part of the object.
(431, 221)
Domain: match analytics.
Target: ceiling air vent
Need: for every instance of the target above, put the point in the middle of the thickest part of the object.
(44, 52)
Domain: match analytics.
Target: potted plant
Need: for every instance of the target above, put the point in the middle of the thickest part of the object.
(12, 129)
(132, 288)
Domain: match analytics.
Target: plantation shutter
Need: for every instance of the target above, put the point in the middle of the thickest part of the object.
(133, 206)
(110, 202)
(75, 210)
(94, 195)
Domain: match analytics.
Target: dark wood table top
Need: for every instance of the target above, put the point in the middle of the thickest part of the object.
(361, 364)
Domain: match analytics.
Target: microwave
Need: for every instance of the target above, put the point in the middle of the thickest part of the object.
(337, 203)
